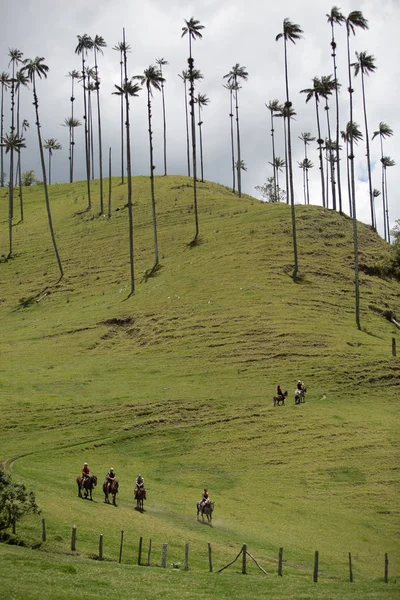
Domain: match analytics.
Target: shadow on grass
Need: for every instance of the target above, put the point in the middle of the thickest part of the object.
(153, 272)
(196, 241)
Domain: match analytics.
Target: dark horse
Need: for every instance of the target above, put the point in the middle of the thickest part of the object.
(110, 488)
(280, 399)
(206, 509)
(140, 495)
(300, 395)
(87, 485)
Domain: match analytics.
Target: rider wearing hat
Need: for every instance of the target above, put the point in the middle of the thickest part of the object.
(110, 477)
(300, 385)
(139, 484)
(85, 471)
(205, 499)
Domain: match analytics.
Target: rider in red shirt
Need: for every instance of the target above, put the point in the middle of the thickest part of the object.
(85, 471)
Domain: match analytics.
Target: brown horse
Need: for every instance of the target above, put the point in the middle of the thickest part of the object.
(280, 400)
(140, 495)
(86, 484)
(110, 488)
(205, 509)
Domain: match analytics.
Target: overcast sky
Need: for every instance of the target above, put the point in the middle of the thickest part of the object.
(235, 32)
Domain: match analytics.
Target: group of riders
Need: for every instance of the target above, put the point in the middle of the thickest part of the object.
(300, 391)
(111, 478)
(139, 484)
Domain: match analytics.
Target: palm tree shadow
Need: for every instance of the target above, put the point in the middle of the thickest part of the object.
(196, 241)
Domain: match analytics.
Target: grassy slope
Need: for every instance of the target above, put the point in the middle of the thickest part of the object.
(180, 388)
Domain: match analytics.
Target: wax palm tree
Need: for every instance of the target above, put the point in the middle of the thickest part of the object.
(51, 145)
(384, 132)
(274, 107)
(335, 17)
(237, 74)
(315, 92)
(193, 29)
(152, 79)
(278, 164)
(327, 86)
(352, 132)
(365, 65)
(5, 81)
(11, 143)
(291, 33)
(121, 47)
(305, 165)
(230, 87)
(161, 63)
(286, 114)
(98, 45)
(15, 56)
(306, 138)
(71, 123)
(20, 80)
(36, 68)
(85, 43)
(201, 100)
(185, 78)
(129, 89)
(387, 162)
(91, 88)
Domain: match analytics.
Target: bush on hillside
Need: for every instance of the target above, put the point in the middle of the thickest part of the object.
(396, 248)
(15, 501)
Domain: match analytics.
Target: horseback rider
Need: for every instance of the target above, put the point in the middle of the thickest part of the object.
(85, 472)
(139, 485)
(280, 393)
(300, 385)
(110, 477)
(205, 499)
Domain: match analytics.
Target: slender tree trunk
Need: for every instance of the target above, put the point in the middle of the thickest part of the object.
(187, 129)
(201, 146)
(286, 162)
(304, 184)
(193, 122)
(85, 118)
(49, 167)
(164, 126)
(1, 137)
(327, 178)
(383, 193)
(273, 153)
(129, 176)
(321, 160)
(153, 200)
(308, 187)
(99, 132)
(371, 194)
(109, 184)
(10, 203)
(387, 209)
(239, 161)
(296, 268)
(19, 167)
(339, 186)
(348, 178)
(122, 120)
(232, 143)
(331, 157)
(90, 132)
(353, 196)
(46, 192)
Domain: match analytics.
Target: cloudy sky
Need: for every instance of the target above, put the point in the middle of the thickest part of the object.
(235, 32)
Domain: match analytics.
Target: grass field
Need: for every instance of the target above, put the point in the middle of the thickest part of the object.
(176, 382)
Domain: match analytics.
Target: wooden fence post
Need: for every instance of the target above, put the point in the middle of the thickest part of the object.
(73, 538)
(186, 568)
(393, 346)
(120, 546)
(386, 568)
(244, 556)
(149, 554)
(316, 566)
(139, 560)
(280, 562)
(210, 557)
(43, 530)
(350, 568)
(101, 547)
(164, 556)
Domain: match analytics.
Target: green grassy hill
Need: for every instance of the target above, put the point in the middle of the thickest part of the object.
(177, 382)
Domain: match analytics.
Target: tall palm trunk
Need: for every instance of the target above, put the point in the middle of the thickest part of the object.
(85, 118)
(122, 119)
(286, 160)
(239, 158)
(187, 128)
(164, 124)
(90, 130)
(331, 160)
(109, 183)
(288, 104)
(99, 132)
(353, 195)
(10, 205)
(371, 195)
(19, 166)
(321, 160)
(129, 174)
(383, 193)
(46, 192)
(71, 135)
(50, 154)
(3, 86)
(232, 140)
(273, 153)
(153, 200)
(339, 185)
(193, 123)
(201, 145)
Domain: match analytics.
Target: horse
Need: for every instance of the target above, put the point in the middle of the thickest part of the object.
(300, 395)
(110, 488)
(280, 400)
(140, 495)
(205, 509)
(87, 484)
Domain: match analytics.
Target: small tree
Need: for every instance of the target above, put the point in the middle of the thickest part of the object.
(270, 192)
(15, 501)
(28, 178)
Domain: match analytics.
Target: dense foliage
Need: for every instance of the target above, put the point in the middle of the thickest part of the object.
(15, 501)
